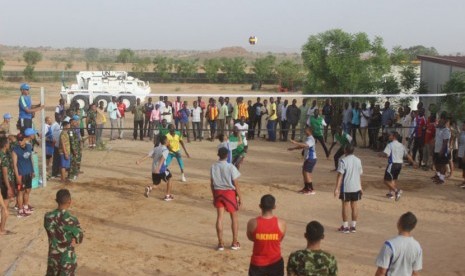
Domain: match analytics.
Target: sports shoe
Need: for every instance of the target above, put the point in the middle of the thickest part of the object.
(303, 191)
(311, 192)
(235, 246)
(220, 247)
(462, 186)
(390, 196)
(183, 178)
(147, 191)
(352, 229)
(344, 230)
(168, 198)
(398, 194)
(27, 211)
(30, 208)
(22, 214)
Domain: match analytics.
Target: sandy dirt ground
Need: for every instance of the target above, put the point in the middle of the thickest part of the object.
(128, 234)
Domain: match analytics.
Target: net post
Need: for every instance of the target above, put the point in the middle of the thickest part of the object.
(44, 132)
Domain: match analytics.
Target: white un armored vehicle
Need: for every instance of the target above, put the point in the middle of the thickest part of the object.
(100, 86)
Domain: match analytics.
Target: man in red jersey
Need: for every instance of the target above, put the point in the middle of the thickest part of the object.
(267, 232)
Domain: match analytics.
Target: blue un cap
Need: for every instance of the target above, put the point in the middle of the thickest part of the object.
(24, 86)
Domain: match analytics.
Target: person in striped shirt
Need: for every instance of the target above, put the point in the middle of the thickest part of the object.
(212, 116)
(309, 160)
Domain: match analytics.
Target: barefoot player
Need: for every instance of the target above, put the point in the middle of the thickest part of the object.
(159, 169)
(226, 196)
(310, 160)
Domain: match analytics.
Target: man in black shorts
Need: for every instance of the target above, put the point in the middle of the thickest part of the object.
(349, 187)
(160, 171)
(395, 152)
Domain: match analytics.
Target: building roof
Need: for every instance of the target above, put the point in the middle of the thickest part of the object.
(457, 61)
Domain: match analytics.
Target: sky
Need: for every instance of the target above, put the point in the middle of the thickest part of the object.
(280, 25)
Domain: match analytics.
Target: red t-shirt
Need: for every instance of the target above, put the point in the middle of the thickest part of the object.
(267, 242)
(420, 124)
(121, 108)
(430, 132)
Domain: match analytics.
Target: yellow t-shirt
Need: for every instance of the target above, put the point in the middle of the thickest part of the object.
(174, 142)
(273, 108)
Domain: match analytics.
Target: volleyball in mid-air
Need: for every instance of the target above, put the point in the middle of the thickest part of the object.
(253, 40)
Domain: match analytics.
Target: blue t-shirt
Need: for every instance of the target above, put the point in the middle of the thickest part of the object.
(24, 159)
(355, 117)
(25, 103)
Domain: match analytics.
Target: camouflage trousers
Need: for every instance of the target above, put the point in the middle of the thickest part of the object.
(59, 266)
(75, 164)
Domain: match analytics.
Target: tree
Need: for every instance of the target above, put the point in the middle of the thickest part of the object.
(264, 68)
(422, 88)
(2, 63)
(390, 86)
(163, 67)
(211, 67)
(340, 62)
(398, 56)
(141, 66)
(91, 55)
(455, 104)
(68, 65)
(414, 51)
(126, 56)
(185, 68)
(32, 57)
(105, 64)
(409, 78)
(288, 72)
(234, 69)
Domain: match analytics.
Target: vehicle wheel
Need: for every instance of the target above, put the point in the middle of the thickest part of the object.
(102, 99)
(82, 100)
(129, 101)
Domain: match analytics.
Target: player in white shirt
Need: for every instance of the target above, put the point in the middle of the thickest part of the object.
(243, 128)
(349, 187)
(401, 255)
(160, 171)
(395, 152)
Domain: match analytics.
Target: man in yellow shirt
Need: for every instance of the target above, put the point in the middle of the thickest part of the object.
(175, 140)
(272, 118)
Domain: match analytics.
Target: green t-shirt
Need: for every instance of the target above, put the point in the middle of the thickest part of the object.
(239, 150)
(138, 111)
(317, 125)
(311, 263)
(343, 139)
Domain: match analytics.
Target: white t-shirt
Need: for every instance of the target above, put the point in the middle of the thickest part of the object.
(311, 111)
(56, 131)
(441, 135)
(156, 154)
(223, 175)
(243, 129)
(169, 117)
(363, 120)
(196, 113)
(161, 104)
(400, 256)
(230, 146)
(395, 152)
(309, 152)
(350, 167)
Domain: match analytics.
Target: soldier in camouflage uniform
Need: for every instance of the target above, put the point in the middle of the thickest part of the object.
(75, 142)
(64, 233)
(312, 260)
